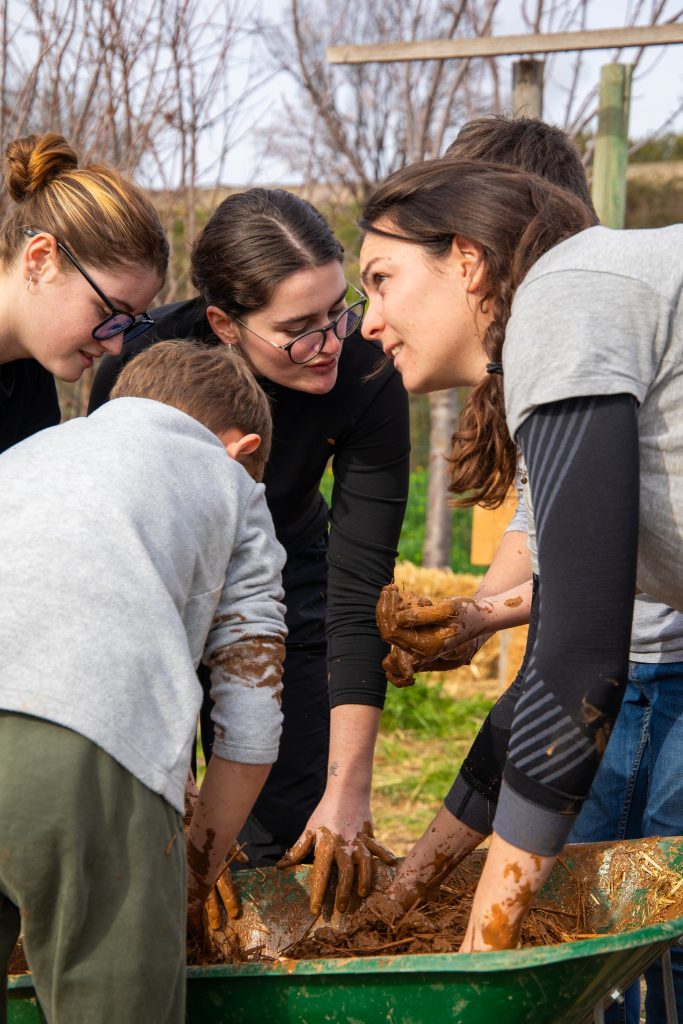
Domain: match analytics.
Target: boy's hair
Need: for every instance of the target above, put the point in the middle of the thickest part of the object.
(211, 383)
(527, 143)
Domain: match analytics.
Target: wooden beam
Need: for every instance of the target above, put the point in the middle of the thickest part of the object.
(497, 46)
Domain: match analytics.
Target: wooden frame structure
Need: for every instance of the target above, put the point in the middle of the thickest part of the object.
(500, 46)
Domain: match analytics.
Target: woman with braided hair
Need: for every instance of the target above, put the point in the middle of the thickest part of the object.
(570, 336)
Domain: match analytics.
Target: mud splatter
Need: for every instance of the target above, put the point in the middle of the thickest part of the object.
(218, 620)
(171, 843)
(589, 713)
(253, 663)
(499, 932)
(514, 870)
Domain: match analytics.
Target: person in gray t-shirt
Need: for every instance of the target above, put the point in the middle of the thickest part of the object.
(571, 336)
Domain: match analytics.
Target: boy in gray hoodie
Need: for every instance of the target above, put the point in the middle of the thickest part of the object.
(115, 583)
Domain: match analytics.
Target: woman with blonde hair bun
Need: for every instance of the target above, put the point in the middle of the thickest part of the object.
(82, 255)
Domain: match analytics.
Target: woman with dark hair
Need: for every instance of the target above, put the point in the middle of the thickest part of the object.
(570, 336)
(270, 280)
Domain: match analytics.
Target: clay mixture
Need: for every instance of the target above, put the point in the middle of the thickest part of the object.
(434, 925)
(399, 613)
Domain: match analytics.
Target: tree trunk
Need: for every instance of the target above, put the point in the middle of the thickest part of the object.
(443, 412)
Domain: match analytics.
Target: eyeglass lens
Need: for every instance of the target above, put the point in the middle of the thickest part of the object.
(137, 328)
(114, 324)
(310, 344)
(122, 322)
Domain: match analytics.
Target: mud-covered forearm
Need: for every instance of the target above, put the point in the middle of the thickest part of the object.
(445, 842)
(227, 795)
(246, 688)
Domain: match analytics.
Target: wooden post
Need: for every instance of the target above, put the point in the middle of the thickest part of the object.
(611, 145)
(527, 88)
(443, 414)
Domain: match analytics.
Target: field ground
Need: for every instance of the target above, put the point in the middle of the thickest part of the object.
(427, 729)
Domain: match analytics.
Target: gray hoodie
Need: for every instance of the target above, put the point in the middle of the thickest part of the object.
(115, 580)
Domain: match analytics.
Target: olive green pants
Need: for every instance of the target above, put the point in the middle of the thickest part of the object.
(93, 865)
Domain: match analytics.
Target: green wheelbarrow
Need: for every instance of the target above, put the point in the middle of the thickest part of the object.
(567, 984)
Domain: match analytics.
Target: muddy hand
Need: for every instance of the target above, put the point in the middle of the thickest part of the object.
(400, 666)
(224, 887)
(414, 624)
(353, 859)
(227, 895)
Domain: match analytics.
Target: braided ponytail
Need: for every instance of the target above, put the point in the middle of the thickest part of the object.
(514, 218)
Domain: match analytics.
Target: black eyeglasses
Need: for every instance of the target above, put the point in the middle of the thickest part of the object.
(118, 320)
(308, 345)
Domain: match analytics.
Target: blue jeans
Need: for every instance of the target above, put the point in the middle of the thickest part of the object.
(638, 792)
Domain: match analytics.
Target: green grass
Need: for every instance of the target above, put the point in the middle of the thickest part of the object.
(426, 709)
(424, 736)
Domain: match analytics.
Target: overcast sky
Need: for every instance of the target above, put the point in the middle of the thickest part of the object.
(657, 87)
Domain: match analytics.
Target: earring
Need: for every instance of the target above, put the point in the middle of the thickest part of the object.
(30, 282)
(231, 347)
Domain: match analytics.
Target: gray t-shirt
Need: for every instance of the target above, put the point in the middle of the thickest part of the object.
(132, 547)
(657, 632)
(602, 314)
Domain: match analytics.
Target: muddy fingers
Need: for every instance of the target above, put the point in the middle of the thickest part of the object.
(346, 871)
(213, 912)
(227, 891)
(302, 847)
(362, 858)
(379, 851)
(325, 849)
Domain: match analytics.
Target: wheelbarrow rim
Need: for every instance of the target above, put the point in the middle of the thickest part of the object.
(665, 933)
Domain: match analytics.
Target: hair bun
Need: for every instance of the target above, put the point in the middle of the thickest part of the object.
(34, 161)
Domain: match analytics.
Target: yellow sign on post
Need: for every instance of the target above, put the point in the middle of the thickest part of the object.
(488, 527)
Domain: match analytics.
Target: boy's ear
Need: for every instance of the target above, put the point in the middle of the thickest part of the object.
(223, 326)
(472, 266)
(245, 445)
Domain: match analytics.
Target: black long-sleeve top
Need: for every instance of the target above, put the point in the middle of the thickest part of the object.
(28, 401)
(363, 426)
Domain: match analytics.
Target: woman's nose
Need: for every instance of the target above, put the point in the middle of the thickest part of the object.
(113, 345)
(332, 343)
(373, 323)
